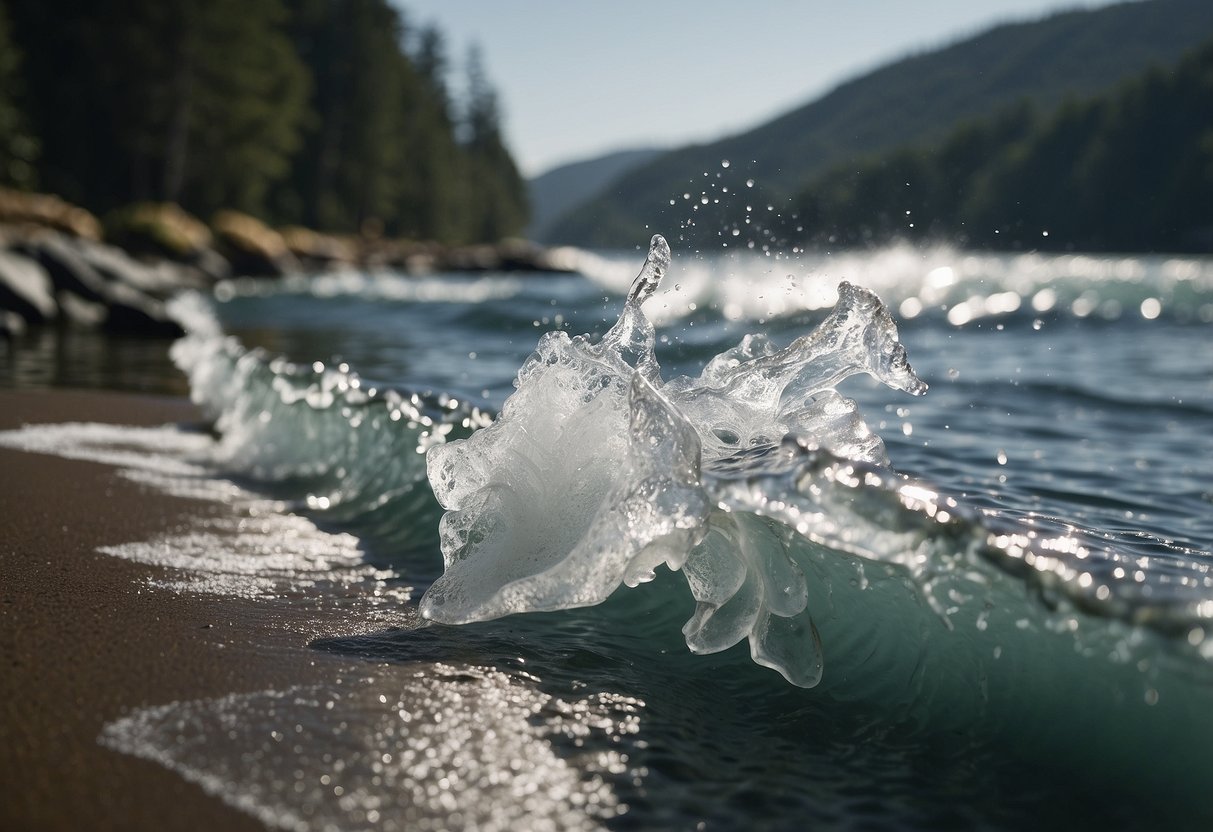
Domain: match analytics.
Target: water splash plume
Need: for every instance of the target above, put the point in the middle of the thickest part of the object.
(597, 472)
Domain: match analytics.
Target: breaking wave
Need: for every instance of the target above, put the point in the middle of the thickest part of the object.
(763, 486)
(954, 286)
(746, 500)
(756, 481)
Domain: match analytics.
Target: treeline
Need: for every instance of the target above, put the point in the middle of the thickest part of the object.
(333, 114)
(1131, 170)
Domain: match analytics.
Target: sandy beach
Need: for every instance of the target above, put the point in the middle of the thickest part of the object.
(84, 641)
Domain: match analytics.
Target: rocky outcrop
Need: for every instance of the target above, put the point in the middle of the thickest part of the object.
(317, 252)
(510, 255)
(12, 325)
(163, 231)
(252, 247)
(160, 279)
(55, 269)
(47, 211)
(26, 290)
(83, 283)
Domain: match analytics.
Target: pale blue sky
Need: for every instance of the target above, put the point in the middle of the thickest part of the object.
(580, 78)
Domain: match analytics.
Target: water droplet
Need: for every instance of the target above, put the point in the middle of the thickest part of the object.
(724, 163)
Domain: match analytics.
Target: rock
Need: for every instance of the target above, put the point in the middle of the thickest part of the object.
(252, 247)
(512, 255)
(477, 258)
(128, 310)
(26, 289)
(210, 264)
(67, 269)
(161, 281)
(164, 230)
(522, 255)
(161, 229)
(421, 262)
(12, 326)
(316, 251)
(137, 314)
(47, 211)
(77, 311)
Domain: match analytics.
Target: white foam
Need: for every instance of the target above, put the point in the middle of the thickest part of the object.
(427, 746)
(256, 549)
(164, 450)
(963, 287)
(388, 286)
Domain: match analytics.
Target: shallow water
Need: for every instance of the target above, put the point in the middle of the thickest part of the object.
(1039, 655)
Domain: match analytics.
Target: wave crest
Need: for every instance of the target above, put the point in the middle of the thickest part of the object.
(597, 472)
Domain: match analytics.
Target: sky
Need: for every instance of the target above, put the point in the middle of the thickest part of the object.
(581, 78)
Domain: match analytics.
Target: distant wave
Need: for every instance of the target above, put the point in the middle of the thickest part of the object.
(962, 287)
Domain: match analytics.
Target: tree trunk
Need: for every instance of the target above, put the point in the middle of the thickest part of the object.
(176, 152)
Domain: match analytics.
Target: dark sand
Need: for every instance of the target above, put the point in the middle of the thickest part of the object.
(83, 640)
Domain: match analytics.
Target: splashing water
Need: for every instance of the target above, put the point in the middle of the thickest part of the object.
(755, 481)
(271, 416)
(975, 640)
(632, 472)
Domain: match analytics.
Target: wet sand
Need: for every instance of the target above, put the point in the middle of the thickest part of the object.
(83, 640)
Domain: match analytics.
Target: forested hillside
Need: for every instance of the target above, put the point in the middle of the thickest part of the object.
(333, 115)
(1131, 170)
(558, 190)
(914, 101)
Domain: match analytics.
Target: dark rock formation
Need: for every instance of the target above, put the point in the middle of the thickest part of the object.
(81, 289)
(252, 247)
(26, 289)
(12, 326)
(55, 269)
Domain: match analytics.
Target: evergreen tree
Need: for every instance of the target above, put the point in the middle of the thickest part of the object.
(239, 98)
(1131, 170)
(497, 193)
(432, 206)
(18, 147)
(348, 175)
(197, 100)
(304, 111)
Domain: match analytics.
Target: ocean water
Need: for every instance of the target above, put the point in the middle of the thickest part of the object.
(896, 539)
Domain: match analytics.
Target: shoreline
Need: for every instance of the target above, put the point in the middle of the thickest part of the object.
(85, 641)
(135, 700)
(60, 266)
